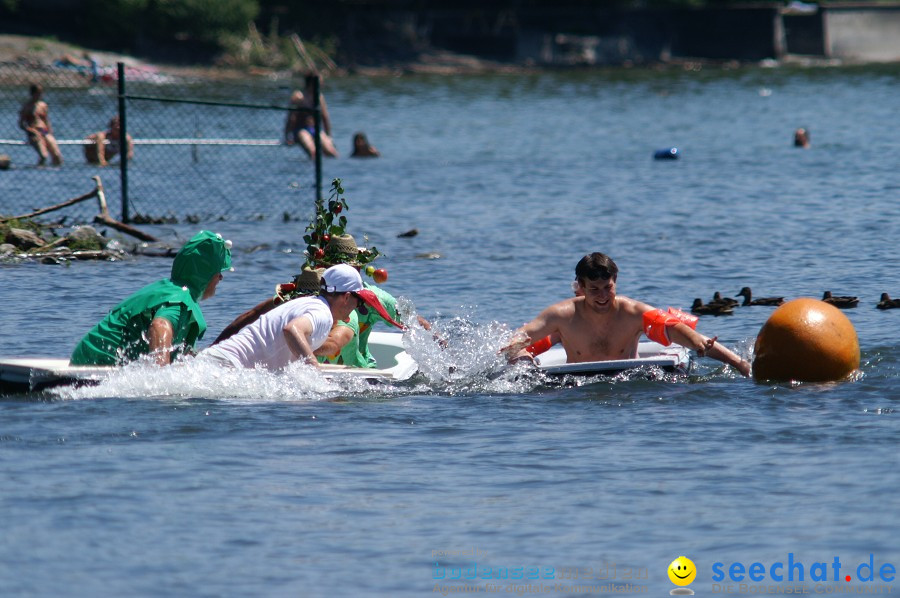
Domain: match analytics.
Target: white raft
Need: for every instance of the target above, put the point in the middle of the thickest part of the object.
(673, 358)
(24, 374)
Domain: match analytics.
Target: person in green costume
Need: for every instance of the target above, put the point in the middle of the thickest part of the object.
(352, 336)
(163, 319)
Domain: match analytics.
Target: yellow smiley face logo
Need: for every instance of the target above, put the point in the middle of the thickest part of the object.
(682, 571)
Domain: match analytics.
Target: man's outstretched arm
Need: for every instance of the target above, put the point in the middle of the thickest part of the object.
(710, 347)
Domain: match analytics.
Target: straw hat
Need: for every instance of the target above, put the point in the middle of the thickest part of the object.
(305, 284)
(341, 249)
(342, 245)
(308, 281)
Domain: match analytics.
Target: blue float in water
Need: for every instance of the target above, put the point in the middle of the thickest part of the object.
(670, 153)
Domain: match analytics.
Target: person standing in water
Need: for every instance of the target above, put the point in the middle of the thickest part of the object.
(34, 119)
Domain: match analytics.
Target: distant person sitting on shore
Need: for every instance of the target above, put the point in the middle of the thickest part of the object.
(801, 138)
(34, 119)
(87, 64)
(105, 145)
(300, 125)
(362, 148)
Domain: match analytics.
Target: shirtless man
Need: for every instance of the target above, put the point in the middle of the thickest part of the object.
(34, 119)
(299, 127)
(602, 325)
(107, 144)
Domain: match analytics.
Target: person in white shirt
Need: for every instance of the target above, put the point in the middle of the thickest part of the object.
(294, 330)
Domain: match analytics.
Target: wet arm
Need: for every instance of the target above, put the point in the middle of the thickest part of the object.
(538, 328)
(297, 334)
(42, 111)
(686, 337)
(326, 119)
(99, 140)
(23, 121)
(337, 339)
(289, 127)
(160, 337)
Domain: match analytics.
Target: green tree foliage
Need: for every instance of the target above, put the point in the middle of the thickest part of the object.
(121, 22)
(203, 20)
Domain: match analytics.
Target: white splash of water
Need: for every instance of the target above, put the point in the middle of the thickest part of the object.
(460, 356)
(199, 378)
(457, 356)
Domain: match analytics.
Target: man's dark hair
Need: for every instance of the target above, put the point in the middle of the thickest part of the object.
(595, 266)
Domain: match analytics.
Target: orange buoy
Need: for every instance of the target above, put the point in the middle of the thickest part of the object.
(806, 340)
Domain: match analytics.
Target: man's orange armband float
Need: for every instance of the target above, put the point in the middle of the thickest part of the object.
(539, 347)
(657, 322)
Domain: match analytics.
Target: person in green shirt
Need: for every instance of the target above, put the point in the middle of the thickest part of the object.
(354, 333)
(162, 319)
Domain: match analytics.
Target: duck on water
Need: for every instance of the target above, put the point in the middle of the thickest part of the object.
(747, 294)
(840, 301)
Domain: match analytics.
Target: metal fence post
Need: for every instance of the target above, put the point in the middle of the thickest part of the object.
(123, 143)
(318, 140)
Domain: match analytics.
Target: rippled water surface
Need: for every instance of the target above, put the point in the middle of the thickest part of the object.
(187, 483)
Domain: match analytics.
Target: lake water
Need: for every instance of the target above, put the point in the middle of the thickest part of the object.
(158, 484)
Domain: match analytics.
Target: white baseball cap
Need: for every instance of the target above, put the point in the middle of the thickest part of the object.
(341, 279)
(345, 279)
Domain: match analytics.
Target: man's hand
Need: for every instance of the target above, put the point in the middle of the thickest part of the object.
(519, 341)
(707, 345)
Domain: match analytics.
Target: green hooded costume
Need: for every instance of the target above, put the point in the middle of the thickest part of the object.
(122, 335)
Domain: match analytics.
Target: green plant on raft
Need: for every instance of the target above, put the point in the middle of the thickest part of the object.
(329, 221)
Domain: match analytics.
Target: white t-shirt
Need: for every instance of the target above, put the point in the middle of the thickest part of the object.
(262, 343)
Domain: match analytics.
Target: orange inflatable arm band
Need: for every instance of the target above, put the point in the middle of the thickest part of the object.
(539, 347)
(688, 319)
(657, 322)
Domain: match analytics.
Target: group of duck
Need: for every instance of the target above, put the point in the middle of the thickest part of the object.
(724, 306)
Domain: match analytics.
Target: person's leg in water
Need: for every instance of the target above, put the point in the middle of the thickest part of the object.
(53, 148)
(36, 140)
(306, 141)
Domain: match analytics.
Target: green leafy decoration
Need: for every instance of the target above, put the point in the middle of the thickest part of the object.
(330, 221)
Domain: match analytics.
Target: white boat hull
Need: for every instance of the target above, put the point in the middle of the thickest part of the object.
(673, 358)
(23, 374)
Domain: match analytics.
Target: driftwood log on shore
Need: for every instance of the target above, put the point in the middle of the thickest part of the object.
(104, 218)
(58, 206)
(83, 243)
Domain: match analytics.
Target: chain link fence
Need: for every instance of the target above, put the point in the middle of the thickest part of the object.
(204, 150)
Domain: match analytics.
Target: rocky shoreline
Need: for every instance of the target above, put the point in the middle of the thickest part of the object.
(23, 238)
(34, 55)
